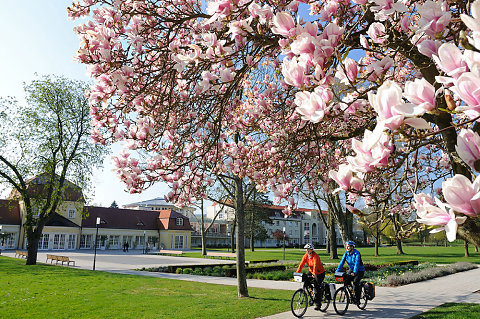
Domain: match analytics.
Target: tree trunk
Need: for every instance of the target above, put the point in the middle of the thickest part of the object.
(202, 230)
(32, 249)
(467, 254)
(232, 236)
(470, 231)
(252, 236)
(332, 237)
(240, 217)
(476, 249)
(377, 243)
(399, 247)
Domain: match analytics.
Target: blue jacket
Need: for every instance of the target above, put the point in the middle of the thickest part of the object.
(354, 261)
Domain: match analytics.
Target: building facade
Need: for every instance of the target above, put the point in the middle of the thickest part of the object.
(301, 226)
(74, 225)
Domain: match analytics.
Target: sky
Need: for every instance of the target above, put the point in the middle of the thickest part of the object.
(37, 38)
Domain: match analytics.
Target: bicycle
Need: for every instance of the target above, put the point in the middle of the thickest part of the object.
(345, 295)
(305, 296)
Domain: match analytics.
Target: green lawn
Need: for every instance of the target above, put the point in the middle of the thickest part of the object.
(452, 311)
(47, 291)
(434, 254)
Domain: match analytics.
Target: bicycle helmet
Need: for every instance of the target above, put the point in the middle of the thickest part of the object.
(351, 243)
(308, 246)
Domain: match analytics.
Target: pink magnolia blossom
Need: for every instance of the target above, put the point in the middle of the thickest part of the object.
(376, 32)
(345, 178)
(450, 60)
(439, 215)
(462, 195)
(294, 72)
(473, 22)
(350, 72)
(283, 24)
(372, 152)
(421, 93)
(429, 47)
(466, 87)
(313, 105)
(468, 147)
(392, 110)
(434, 17)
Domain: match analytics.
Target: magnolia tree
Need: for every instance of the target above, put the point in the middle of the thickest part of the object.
(181, 81)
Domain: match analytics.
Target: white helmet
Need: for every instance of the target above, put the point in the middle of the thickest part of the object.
(308, 246)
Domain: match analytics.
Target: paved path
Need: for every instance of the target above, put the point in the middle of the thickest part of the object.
(401, 302)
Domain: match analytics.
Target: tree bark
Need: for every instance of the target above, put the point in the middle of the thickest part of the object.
(467, 254)
(240, 216)
(332, 237)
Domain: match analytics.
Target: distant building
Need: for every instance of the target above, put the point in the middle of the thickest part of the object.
(301, 227)
(73, 226)
(160, 204)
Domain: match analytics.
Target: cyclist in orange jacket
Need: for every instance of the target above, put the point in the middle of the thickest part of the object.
(316, 270)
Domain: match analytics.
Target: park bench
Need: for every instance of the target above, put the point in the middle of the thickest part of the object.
(170, 252)
(62, 259)
(221, 255)
(21, 254)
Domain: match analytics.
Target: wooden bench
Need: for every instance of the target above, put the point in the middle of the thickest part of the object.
(21, 254)
(63, 259)
(170, 252)
(221, 255)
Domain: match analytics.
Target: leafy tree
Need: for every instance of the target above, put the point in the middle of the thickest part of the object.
(45, 150)
(114, 204)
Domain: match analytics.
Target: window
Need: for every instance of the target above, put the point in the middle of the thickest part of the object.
(114, 241)
(43, 242)
(10, 241)
(306, 226)
(179, 221)
(71, 213)
(86, 241)
(36, 212)
(72, 241)
(220, 215)
(178, 242)
(59, 241)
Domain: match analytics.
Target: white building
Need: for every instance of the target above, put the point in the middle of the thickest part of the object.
(301, 227)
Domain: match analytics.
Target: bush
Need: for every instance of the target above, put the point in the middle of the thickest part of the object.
(179, 271)
(427, 273)
(187, 270)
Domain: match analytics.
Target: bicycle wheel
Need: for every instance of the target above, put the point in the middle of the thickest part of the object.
(325, 300)
(363, 300)
(299, 303)
(341, 300)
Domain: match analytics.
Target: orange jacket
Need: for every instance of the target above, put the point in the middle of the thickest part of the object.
(314, 263)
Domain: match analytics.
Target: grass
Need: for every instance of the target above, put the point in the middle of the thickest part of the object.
(451, 311)
(46, 291)
(434, 254)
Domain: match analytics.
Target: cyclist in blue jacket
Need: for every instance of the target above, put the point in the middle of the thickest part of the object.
(356, 268)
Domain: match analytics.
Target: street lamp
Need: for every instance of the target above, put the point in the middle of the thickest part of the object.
(144, 242)
(284, 242)
(1, 235)
(96, 242)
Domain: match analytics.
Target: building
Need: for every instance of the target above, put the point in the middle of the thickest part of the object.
(160, 204)
(74, 226)
(301, 227)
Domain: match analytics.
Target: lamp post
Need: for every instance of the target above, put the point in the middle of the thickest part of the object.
(143, 242)
(96, 243)
(284, 242)
(1, 235)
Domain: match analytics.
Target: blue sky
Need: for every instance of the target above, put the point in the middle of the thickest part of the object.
(38, 37)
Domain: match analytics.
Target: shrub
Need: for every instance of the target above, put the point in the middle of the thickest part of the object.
(427, 273)
(187, 270)
(179, 271)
